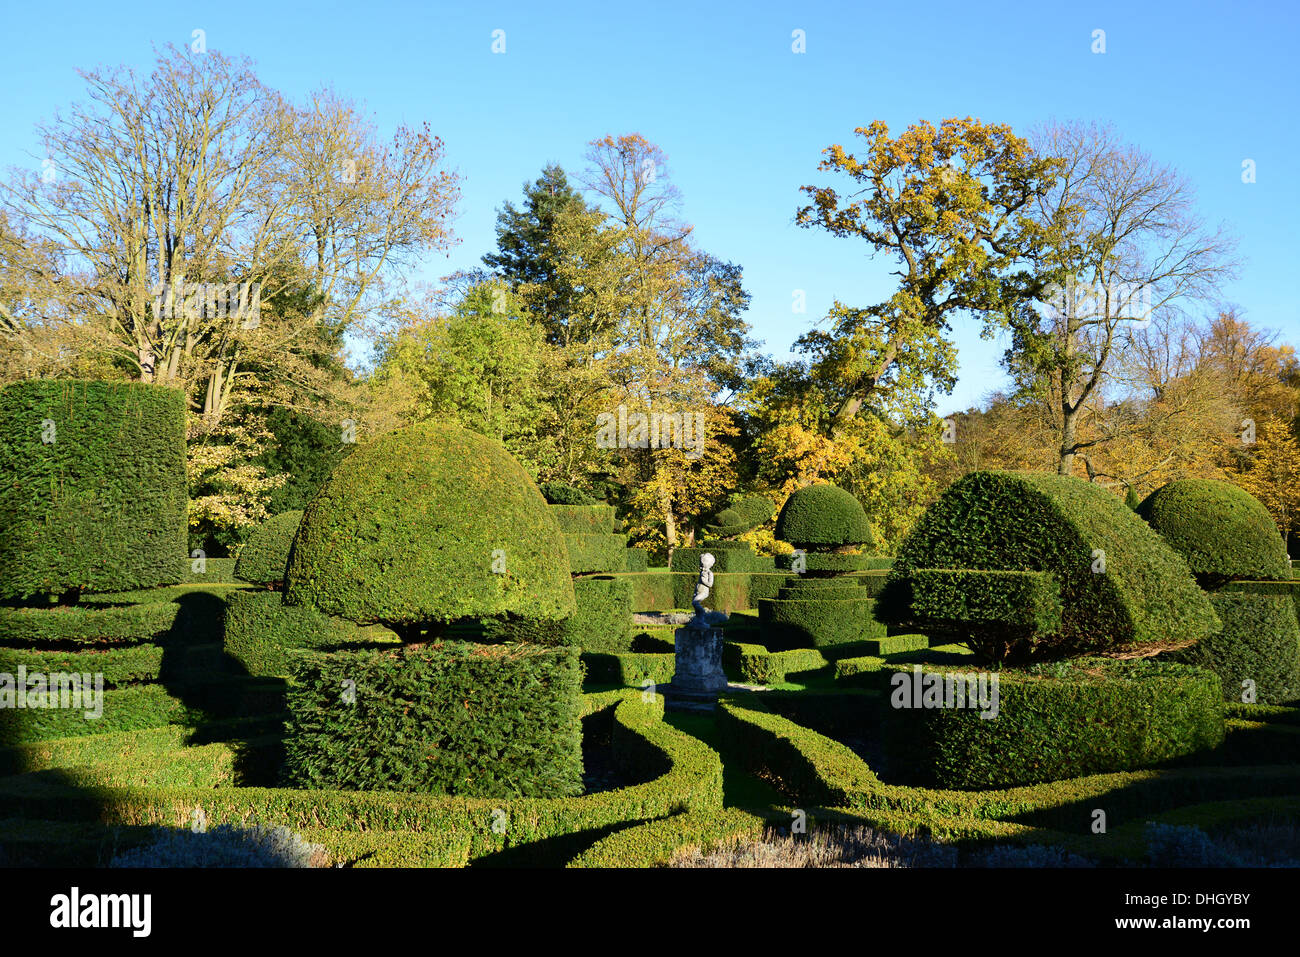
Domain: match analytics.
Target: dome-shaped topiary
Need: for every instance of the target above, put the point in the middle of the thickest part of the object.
(265, 555)
(823, 517)
(429, 525)
(560, 493)
(1222, 531)
(740, 516)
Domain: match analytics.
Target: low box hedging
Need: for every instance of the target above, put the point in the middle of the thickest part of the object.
(1016, 605)
(1063, 720)
(118, 666)
(863, 670)
(692, 782)
(448, 718)
(95, 625)
(260, 631)
(810, 621)
(591, 552)
(209, 571)
(754, 664)
(123, 709)
(657, 842)
(631, 670)
(636, 559)
(603, 621)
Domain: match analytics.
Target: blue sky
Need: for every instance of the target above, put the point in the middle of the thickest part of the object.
(743, 118)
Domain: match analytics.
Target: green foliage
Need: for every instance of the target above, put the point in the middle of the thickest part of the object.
(1054, 720)
(823, 517)
(603, 621)
(636, 560)
(87, 625)
(264, 556)
(800, 617)
(592, 552)
(962, 603)
(94, 497)
(224, 846)
(679, 772)
(260, 630)
(656, 842)
(215, 571)
(558, 493)
(408, 530)
(631, 669)
(584, 519)
(728, 557)
(743, 514)
(305, 450)
(1259, 642)
(1140, 593)
(754, 664)
(1222, 531)
(124, 709)
(118, 666)
(449, 718)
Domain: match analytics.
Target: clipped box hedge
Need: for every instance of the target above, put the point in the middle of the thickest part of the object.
(593, 552)
(686, 776)
(754, 664)
(118, 666)
(1121, 584)
(95, 495)
(584, 519)
(728, 557)
(1012, 605)
(214, 571)
(87, 624)
(260, 631)
(265, 555)
(448, 718)
(632, 669)
(818, 613)
(603, 621)
(123, 709)
(1259, 642)
(1053, 721)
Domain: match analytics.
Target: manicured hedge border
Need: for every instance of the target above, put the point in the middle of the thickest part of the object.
(603, 621)
(630, 670)
(119, 666)
(216, 571)
(754, 664)
(124, 709)
(110, 624)
(657, 842)
(688, 777)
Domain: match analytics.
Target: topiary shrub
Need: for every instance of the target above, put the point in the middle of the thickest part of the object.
(444, 718)
(594, 552)
(824, 607)
(265, 555)
(425, 526)
(824, 517)
(1120, 585)
(1222, 531)
(558, 493)
(94, 496)
(603, 621)
(1052, 720)
(260, 630)
(744, 513)
(1259, 643)
(1230, 542)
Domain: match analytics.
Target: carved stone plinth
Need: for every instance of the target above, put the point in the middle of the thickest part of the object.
(698, 674)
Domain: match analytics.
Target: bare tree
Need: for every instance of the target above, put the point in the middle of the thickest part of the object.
(1123, 243)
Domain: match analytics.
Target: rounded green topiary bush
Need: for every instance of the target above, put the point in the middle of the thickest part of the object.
(265, 555)
(824, 517)
(94, 496)
(1259, 643)
(1223, 532)
(743, 514)
(426, 526)
(1119, 582)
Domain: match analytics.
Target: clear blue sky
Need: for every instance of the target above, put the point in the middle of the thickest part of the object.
(743, 118)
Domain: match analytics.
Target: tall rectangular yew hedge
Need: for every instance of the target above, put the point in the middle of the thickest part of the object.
(93, 491)
(448, 718)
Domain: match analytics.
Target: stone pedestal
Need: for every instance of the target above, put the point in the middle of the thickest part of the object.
(698, 674)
